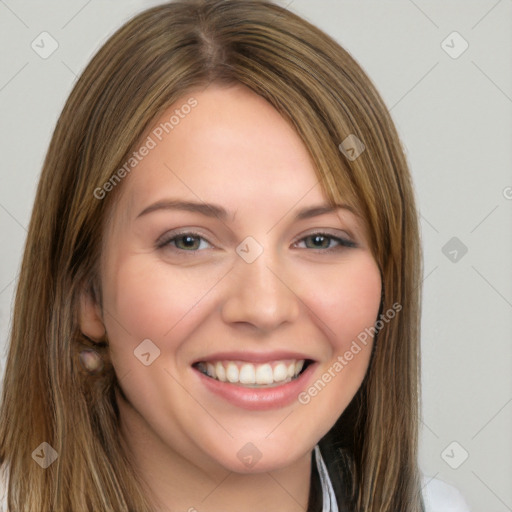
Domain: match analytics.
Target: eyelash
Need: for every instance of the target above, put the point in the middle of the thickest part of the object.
(342, 242)
(165, 242)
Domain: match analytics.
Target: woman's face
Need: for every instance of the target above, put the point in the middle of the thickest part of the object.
(263, 282)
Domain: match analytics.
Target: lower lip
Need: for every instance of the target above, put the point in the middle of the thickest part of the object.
(259, 399)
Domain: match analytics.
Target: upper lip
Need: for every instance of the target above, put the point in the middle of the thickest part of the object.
(253, 357)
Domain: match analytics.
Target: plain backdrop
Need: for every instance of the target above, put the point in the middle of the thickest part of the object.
(445, 72)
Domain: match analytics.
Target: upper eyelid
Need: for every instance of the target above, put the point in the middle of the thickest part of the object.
(171, 235)
(326, 232)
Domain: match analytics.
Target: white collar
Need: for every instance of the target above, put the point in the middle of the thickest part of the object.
(329, 503)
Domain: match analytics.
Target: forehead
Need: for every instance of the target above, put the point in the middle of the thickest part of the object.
(233, 146)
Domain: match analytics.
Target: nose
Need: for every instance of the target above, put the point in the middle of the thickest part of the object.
(260, 294)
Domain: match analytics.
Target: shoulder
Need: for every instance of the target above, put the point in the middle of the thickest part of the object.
(442, 497)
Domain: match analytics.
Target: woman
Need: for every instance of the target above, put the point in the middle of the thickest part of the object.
(218, 307)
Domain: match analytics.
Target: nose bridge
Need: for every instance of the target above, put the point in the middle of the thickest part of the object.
(261, 277)
(259, 294)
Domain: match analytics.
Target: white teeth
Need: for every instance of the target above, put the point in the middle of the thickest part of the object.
(247, 374)
(232, 373)
(280, 372)
(265, 374)
(221, 372)
(210, 370)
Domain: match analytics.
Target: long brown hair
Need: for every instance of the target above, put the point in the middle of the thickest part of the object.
(153, 60)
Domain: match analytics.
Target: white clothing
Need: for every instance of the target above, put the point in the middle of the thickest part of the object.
(437, 495)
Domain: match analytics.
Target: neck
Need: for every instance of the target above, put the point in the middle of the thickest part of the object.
(177, 484)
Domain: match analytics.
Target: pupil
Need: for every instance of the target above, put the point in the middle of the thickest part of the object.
(318, 239)
(188, 241)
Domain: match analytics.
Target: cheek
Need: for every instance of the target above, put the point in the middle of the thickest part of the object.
(146, 300)
(150, 300)
(348, 300)
(348, 310)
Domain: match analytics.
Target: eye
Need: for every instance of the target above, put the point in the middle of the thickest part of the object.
(323, 241)
(189, 242)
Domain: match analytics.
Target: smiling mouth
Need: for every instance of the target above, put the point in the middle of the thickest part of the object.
(242, 373)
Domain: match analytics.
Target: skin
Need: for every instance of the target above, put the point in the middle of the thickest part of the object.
(191, 303)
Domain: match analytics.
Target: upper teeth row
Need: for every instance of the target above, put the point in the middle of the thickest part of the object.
(248, 373)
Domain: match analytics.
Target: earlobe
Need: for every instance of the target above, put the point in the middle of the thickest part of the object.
(90, 317)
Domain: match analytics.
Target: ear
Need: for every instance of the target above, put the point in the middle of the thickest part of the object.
(90, 317)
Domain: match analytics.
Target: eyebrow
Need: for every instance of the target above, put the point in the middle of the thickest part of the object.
(213, 210)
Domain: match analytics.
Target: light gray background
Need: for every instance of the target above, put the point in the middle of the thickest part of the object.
(454, 117)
